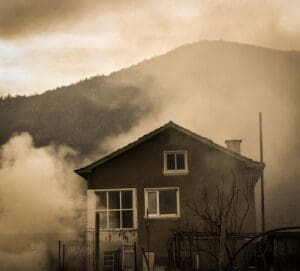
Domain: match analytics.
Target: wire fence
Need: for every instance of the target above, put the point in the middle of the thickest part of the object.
(46, 252)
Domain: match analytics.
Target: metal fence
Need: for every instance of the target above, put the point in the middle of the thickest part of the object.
(187, 251)
(44, 252)
(276, 251)
(73, 255)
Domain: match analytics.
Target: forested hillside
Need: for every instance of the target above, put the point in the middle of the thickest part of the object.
(79, 115)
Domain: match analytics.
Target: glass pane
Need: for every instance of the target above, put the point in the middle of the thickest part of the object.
(114, 219)
(114, 200)
(101, 202)
(103, 220)
(126, 199)
(152, 203)
(170, 161)
(167, 202)
(127, 219)
(180, 161)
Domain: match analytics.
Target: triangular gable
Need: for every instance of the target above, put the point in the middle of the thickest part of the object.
(89, 168)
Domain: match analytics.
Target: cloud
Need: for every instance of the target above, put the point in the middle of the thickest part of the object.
(24, 17)
(87, 37)
(65, 41)
(272, 23)
(27, 17)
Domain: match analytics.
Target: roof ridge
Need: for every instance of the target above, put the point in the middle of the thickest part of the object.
(88, 168)
(217, 145)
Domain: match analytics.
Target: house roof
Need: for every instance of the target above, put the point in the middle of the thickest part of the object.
(89, 168)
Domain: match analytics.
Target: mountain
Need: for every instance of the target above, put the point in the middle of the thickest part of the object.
(84, 113)
(215, 88)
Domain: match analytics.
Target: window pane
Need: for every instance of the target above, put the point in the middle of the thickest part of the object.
(167, 202)
(103, 220)
(170, 161)
(114, 200)
(114, 219)
(127, 219)
(101, 201)
(126, 199)
(152, 203)
(180, 161)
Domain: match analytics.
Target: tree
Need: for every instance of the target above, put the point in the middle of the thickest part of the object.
(222, 214)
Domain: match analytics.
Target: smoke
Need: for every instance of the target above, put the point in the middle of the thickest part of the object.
(40, 198)
(216, 89)
(30, 258)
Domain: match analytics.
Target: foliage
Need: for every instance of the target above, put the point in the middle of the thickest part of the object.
(79, 115)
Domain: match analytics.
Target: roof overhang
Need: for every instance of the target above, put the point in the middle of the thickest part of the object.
(249, 163)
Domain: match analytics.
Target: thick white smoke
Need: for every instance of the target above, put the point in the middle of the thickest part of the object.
(39, 195)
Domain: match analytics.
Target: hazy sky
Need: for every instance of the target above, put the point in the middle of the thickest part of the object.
(48, 43)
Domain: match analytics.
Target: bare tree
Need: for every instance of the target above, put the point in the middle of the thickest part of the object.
(222, 214)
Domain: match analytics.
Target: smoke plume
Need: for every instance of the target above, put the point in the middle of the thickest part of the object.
(216, 89)
(39, 197)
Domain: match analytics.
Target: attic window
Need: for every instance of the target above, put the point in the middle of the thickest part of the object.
(175, 162)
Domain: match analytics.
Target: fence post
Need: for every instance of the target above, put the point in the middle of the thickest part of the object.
(97, 241)
(63, 256)
(59, 246)
(174, 265)
(190, 250)
(135, 257)
(197, 262)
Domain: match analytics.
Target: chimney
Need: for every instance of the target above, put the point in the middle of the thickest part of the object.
(234, 145)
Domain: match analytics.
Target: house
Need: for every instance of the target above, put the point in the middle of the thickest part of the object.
(139, 193)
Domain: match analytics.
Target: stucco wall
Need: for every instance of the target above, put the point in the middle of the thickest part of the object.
(142, 167)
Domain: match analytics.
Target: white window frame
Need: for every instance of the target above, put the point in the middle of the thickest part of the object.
(176, 171)
(158, 215)
(134, 208)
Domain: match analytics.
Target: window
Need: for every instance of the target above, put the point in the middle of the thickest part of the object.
(162, 202)
(175, 162)
(115, 209)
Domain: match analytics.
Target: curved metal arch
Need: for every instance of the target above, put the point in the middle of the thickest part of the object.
(258, 236)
